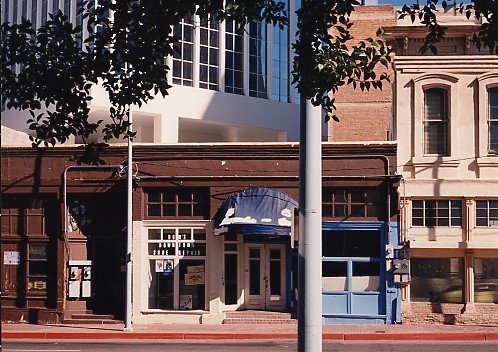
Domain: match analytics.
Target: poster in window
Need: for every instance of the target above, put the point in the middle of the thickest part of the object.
(195, 269)
(11, 258)
(185, 302)
(194, 279)
(159, 265)
(168, 267)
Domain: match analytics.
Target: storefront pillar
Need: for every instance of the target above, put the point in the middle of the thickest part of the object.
(469, 307)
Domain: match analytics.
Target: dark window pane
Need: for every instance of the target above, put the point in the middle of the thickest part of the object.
(195, 292)
(37, 268)
(154, 197)
(349, 243)
(154, 234)
(154, 210)
(340, 210)
(326, 210)
(254, 277)
(169, 210)
(366, 269)
(231, 278)
(334, 269)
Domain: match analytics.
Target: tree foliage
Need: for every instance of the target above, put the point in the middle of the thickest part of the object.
(51, 71)
(483, 10)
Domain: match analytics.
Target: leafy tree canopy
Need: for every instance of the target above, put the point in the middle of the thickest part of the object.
(55, 67)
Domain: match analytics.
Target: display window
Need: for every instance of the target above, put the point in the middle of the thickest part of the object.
(177, 265)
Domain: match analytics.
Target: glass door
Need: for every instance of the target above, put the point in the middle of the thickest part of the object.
(265, 279)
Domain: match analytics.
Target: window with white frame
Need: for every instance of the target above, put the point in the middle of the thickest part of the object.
(493, 120)
(234, 58)
(177, 256)
(487, 213)
(183, 56)
(257, 59)
(440, 212)
(208, 54)
(436, 122)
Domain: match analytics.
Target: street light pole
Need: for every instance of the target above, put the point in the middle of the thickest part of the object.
(310, 227)
(129, 227)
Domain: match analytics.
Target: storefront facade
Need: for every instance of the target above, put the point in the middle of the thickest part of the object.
(195, 255)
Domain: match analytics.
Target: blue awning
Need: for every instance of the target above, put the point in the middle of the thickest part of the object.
(255, 211)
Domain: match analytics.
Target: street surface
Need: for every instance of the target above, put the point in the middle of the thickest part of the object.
(243, 346)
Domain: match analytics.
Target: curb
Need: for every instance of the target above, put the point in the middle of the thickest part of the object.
(40, 335)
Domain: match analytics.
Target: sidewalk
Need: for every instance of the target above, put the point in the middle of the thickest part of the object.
(237, 332)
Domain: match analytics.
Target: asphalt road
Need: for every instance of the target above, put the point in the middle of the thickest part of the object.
(245, 345)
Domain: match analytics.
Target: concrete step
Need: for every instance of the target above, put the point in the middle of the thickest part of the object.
(91, 321)
(92, 316)
(258, 321)
(258, 317)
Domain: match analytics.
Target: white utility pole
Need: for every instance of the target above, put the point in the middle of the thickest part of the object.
(310, 227)
(129, 227)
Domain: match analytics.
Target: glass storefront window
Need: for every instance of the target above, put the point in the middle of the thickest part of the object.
(437, 280)
(177, 268)
(486, 280)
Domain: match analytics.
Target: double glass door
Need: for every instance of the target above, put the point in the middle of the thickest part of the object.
(265, 276)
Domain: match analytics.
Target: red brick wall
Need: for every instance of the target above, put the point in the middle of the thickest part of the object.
(451, 314)
(364, 116)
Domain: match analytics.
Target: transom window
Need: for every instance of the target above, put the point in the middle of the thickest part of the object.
(341, 203)
(493, 120)
(436, 121)
(177, 203)
(443, 212)
(487, 213)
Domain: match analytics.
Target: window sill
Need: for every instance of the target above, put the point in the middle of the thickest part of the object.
(488, 161)
(431, 161)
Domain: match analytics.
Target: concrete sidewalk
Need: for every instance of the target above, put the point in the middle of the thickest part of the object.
(262, 332)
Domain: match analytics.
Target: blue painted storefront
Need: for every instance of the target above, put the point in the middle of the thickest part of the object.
(375, 306)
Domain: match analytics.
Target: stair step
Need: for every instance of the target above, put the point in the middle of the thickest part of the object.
(91, 321)
(258, 321)
(258, 314)
(92, 316)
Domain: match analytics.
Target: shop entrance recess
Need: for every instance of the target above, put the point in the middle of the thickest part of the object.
(265, 276)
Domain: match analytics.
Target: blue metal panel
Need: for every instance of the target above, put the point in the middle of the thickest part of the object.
(335, 303)
(366, 303)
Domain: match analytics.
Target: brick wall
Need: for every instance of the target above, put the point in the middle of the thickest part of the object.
(364, 116)
(451, 314)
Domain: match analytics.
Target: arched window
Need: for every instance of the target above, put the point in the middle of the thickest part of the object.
(493, 120)
(435, 121)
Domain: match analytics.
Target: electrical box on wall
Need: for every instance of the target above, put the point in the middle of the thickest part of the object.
(398, 262)
(79, 279)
